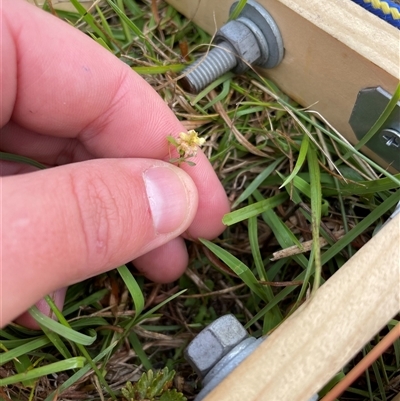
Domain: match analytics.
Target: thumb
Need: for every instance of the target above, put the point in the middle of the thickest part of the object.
(65, 224)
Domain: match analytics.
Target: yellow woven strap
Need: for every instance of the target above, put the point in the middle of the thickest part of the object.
(384, 7)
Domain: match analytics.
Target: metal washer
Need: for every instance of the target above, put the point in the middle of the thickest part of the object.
(264, 21)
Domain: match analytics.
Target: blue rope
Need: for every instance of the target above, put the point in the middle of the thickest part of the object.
(385, 9)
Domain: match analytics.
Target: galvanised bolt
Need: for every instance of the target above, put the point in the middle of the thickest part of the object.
(252, 39)
(391, 137)
(218, 349)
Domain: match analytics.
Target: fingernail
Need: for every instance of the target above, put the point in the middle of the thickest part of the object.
(168, 198)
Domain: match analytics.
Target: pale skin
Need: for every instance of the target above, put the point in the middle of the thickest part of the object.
(109, 195)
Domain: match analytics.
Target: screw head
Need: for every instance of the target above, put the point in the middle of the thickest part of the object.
(214, 342)
(391, 137)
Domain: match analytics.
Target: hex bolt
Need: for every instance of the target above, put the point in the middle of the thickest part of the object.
(252, 39)
(391, 137)
(213, 343)
(218, 349)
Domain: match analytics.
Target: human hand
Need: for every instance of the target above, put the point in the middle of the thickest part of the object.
(110, 196)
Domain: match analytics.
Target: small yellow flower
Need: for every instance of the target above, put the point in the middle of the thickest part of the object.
(187, 145)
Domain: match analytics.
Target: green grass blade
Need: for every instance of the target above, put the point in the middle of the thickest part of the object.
(100, 41)
(300, 160)
(126, 20)
(306, 118)
(8, 336)
(68, 364)
(238, 267)
(10, 157)
(308, 272)
(237, 10)
(396, 344)
(254, 209)
(278, 298)
(255, 250)
(257, 182)
(369, 187)
(57, 342)
(303, 186)
(88, 18)
(134, 8)
(104, 22)
(80, 373)
(150, 313)
(316, 210)
(133, 287)
(222, 95)
(64, 324)
(88, 322)
(380, 121)
(125, 27)
(137, 347)
(90, 300)
(58, 328)
(275, 316)
(283, 235)
(23, 365)
(26, 347)
(377, 374)
(213, 85)
(160, 305)
(159, 69)
(361, 227)
(246, 111)
(335, 380)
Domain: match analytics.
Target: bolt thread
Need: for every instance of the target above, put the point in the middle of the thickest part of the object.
(215, 63)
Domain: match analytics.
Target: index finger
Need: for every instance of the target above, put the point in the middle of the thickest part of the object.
(70, 87)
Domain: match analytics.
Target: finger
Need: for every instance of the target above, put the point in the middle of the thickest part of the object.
(12, 168)
(66, 224)
(165, 263)
(49, 150)
(27, 320)
(212, 205)
(79, 91)
(162, 265)
(84, 93)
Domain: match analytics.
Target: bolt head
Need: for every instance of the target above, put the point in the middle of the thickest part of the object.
(214, 342)
(242, 39)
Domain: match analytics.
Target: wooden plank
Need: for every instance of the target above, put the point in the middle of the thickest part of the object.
(312, 345)
(333, 49)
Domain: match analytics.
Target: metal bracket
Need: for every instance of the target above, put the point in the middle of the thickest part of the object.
(369, 106)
